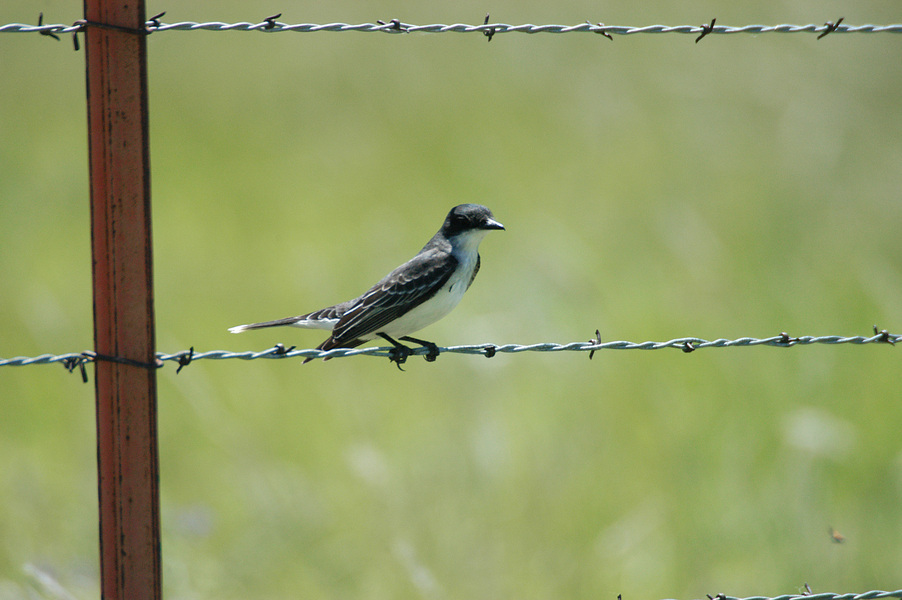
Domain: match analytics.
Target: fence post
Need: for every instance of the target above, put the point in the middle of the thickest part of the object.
(127, 455)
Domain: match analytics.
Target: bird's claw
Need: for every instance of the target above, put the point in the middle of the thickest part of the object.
(432, 350)
(431, 353)
(398, 355)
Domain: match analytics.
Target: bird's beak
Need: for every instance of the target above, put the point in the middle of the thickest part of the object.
(492, 224)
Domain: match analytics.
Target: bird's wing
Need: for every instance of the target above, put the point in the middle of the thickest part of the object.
(476, 270)
(330, 312)
(406, 287)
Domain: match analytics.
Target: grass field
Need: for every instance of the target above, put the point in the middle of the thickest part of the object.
(651, 187)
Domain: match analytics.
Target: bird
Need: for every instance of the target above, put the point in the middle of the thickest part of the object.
(416, 294)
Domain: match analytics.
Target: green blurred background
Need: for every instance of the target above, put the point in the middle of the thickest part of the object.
(651, 187)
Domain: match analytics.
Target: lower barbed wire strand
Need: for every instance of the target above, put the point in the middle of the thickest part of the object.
(686, 344)
(396, 27)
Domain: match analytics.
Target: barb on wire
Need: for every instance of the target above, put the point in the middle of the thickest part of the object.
(600, 30)
(489, 33)
(271, 25)
(706, 29)
(279, 351)
(595, 341)
(830, 27)
(47, 32)
(185, 359)
(393, 25)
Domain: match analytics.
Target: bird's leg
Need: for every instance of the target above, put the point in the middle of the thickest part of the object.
(432, 354)
(399, 351)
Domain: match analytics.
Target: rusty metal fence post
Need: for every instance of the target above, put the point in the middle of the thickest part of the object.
(127, 453)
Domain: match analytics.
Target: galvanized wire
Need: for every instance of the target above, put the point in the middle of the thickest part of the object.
(395, 26)
(810, 596)
(687, 344)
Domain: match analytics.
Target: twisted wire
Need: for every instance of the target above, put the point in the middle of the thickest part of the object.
(686, 344)
(825, 596)
(396, 26)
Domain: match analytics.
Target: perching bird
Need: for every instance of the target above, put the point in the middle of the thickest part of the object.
(416, 294)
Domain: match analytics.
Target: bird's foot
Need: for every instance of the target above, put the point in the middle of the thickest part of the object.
(432, 352)
(399, 352)
(398, 355)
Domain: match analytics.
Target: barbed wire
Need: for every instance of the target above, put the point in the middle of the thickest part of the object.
(812, 596)
(396, 26)
(279, 351)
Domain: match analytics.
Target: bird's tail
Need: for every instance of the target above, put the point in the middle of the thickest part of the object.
(276, 323)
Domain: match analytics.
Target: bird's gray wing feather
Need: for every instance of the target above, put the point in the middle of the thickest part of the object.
(403, 289)
(476, 270)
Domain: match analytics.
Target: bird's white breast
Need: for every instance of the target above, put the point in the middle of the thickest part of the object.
(430, 311)
(444, 301)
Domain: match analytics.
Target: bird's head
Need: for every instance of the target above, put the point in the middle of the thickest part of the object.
(469, 218)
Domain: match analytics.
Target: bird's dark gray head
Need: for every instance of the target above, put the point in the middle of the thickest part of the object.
(469, 217)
